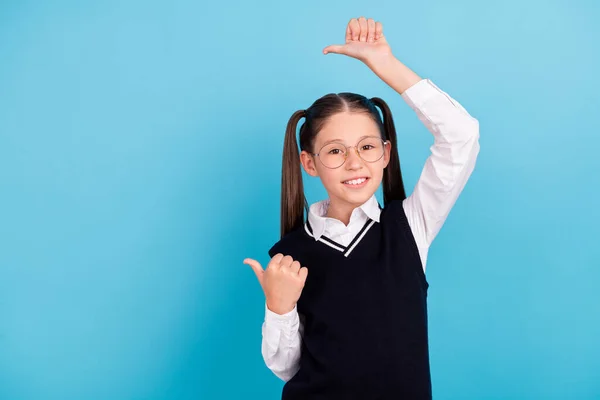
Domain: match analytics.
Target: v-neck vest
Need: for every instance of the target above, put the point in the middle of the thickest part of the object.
(338, 246)
(365, 308)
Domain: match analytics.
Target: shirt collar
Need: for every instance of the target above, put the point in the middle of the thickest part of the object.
(318, 221)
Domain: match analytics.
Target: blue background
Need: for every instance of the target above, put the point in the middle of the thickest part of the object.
(140, 161)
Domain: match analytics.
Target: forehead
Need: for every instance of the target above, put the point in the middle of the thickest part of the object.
(347, 127)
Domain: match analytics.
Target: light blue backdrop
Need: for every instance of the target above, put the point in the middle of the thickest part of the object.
(140, 159)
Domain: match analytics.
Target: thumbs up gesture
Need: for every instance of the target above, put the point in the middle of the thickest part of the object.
(364, 41)
(282, 281)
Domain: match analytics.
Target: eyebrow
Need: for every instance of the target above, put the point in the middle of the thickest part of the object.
(340, 140)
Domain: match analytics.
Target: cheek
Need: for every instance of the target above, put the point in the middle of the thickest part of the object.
(329, 177)
(377, 171)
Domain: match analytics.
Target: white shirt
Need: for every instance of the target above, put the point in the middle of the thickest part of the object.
(446, 170)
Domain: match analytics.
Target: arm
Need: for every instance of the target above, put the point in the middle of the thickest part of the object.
(281, 343)
(450, 164)
(456, 133)
(282, 282)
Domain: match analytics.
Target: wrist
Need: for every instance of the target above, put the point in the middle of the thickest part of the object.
(280, 308)
(393, 72)
(381, 62)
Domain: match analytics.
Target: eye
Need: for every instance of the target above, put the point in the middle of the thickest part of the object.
(368, 147)
(333, 150)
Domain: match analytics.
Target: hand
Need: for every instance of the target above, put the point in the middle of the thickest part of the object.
(364, 41)
(282, 282)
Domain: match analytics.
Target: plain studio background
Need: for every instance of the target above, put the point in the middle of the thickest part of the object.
(140, 162)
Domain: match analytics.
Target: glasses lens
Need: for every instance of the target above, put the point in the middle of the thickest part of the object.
(370, 149)
(332, 155)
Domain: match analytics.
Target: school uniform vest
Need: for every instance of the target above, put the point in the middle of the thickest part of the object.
(365, 308)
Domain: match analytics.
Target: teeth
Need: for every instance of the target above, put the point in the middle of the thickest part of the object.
(356, 181)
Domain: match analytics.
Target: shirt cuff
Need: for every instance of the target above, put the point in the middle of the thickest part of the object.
(283, 320)
(418, 94)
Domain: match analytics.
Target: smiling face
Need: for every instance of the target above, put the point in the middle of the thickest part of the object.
(347, 128)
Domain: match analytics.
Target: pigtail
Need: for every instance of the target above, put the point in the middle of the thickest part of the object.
(293, 201)
(393, 185)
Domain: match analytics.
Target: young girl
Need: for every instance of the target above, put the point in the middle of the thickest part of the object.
(356, 326)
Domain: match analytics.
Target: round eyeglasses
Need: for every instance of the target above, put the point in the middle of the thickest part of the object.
(369, 149)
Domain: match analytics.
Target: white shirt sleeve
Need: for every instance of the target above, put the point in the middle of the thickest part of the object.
(281, 342)
(446, 170)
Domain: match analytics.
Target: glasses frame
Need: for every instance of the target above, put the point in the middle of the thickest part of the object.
(355, 147)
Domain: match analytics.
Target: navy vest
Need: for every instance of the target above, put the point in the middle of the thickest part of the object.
(365, 308)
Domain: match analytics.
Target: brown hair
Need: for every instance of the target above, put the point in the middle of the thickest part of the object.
(293, 201)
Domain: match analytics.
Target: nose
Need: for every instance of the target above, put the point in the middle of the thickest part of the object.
(353, 160)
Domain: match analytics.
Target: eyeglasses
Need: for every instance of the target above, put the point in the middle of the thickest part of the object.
(369, 149)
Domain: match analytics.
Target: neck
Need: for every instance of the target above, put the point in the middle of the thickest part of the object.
(341, 210)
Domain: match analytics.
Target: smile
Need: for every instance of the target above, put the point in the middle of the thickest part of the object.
(356, 182)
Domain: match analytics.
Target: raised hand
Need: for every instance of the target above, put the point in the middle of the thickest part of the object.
(364, 41)
(282, 281)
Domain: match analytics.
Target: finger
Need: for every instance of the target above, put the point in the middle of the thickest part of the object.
(295, 267)
(354, 28)
(338, 49)
(362, 21)
(274, 263)
(378, 30)
(256, 267)
(371, 30)
(348, 33)
(286, 262)
(303, 273)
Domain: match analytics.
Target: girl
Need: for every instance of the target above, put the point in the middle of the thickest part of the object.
(356, 326)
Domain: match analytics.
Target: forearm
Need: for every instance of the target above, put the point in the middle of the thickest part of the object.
(281, 343)
(393, 72)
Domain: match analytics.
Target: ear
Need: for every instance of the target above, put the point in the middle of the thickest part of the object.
(308, 163)
(386, 153)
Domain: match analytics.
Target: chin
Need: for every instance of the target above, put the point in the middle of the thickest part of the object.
(357, 197)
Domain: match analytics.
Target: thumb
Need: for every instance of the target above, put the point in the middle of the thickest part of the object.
(335, 48)
(256, 267)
